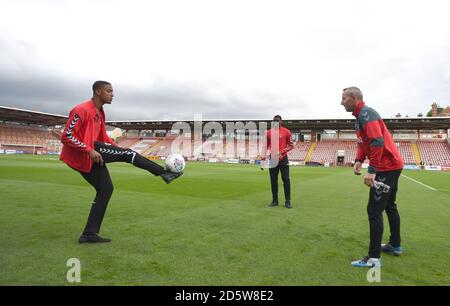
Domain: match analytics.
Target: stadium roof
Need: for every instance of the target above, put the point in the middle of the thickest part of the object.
(34, 117)
(424, 123)
(30, 117)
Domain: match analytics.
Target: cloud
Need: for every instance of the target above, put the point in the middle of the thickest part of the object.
(162, 100)
(230, 59)
(25, 84)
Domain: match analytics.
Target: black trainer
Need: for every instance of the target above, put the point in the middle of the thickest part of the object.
(92, 238)
(168, 176)
(274, 203)
(287, 204)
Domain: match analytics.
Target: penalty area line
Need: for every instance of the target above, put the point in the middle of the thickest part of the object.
(415, 181)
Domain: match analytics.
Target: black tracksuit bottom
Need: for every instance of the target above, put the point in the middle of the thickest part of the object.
(378, 202)
(283, 167)
(100, 179)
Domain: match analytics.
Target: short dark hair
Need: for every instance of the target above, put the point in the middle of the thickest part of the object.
(98, 85)
(277, 118)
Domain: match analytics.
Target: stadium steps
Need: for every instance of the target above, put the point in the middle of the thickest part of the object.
(310, 152)
(133, 143)
(416, 153)
(434, 153)
(57, 134)
(151, 149)
(126, 142)
(156, 148)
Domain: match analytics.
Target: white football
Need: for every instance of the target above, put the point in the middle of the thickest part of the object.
(175, 163)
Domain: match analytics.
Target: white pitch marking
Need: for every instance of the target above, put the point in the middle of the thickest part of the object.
(429, 187)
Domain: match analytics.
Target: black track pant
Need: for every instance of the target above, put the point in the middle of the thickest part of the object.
(283, 167)
(378, 202)
(99, 178)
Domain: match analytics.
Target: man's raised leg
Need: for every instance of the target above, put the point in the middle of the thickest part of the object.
(112, 153)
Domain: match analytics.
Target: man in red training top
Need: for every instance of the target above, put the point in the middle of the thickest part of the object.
(385, 165)
(87, 148)
(278, 140)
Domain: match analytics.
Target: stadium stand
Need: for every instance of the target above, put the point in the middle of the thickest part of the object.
(406, 151)
(299, 152)
(327, 152)
(420, 140)
(126, 142)
(27, 138)
(143, 145)
(434, 152)
(161, 148)
(211, 148)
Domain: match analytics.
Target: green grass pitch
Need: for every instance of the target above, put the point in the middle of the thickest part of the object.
(213, 227)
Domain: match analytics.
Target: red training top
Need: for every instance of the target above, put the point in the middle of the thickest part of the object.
(374, 141)
(283, 146)
(86, 125)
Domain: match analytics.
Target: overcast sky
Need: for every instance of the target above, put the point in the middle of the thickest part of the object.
(225, 59)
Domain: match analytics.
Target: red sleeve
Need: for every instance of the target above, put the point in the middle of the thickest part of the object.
(289, 146)
(360, 155)
(266, 145)
(72, 135)
(376, 141)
